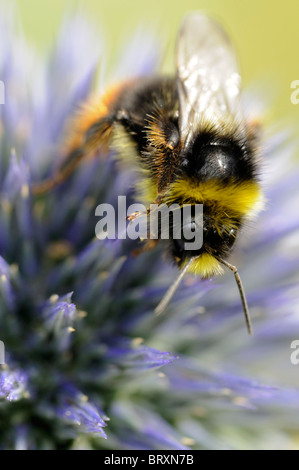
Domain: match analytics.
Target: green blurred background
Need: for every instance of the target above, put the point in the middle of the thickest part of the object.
(266, 33)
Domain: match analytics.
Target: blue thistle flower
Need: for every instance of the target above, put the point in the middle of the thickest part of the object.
(87, 363)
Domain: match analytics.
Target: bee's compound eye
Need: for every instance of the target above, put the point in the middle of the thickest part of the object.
(190, 229)
(232, 235)
(172, 135)
(173, 138)
(193, 226)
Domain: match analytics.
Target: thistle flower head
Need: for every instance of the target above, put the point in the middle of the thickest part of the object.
(87, 365)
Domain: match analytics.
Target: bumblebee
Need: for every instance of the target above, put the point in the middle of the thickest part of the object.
(188, 136)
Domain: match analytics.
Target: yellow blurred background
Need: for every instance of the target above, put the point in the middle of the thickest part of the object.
(266, 33)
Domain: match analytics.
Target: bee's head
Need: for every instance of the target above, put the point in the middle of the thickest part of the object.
(206, 236)
(226, 205)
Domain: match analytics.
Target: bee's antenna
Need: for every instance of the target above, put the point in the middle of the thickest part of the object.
(169, 294)
(242, 293)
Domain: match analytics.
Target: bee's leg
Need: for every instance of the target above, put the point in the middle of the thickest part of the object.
(241, 292)
(148, 245)
(137, 214)
(47, 185)
(97, 137)
(157, 201)
(88, 131)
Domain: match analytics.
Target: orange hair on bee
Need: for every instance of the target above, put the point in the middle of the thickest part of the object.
(96, 109)
(165, 144)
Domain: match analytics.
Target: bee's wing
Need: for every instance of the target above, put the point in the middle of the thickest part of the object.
(208, 79)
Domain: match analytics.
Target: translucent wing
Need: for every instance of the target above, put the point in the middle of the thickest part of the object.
(208, 79)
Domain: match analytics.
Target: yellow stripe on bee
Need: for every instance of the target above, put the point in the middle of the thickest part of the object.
(206, 266)
(241, 198)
